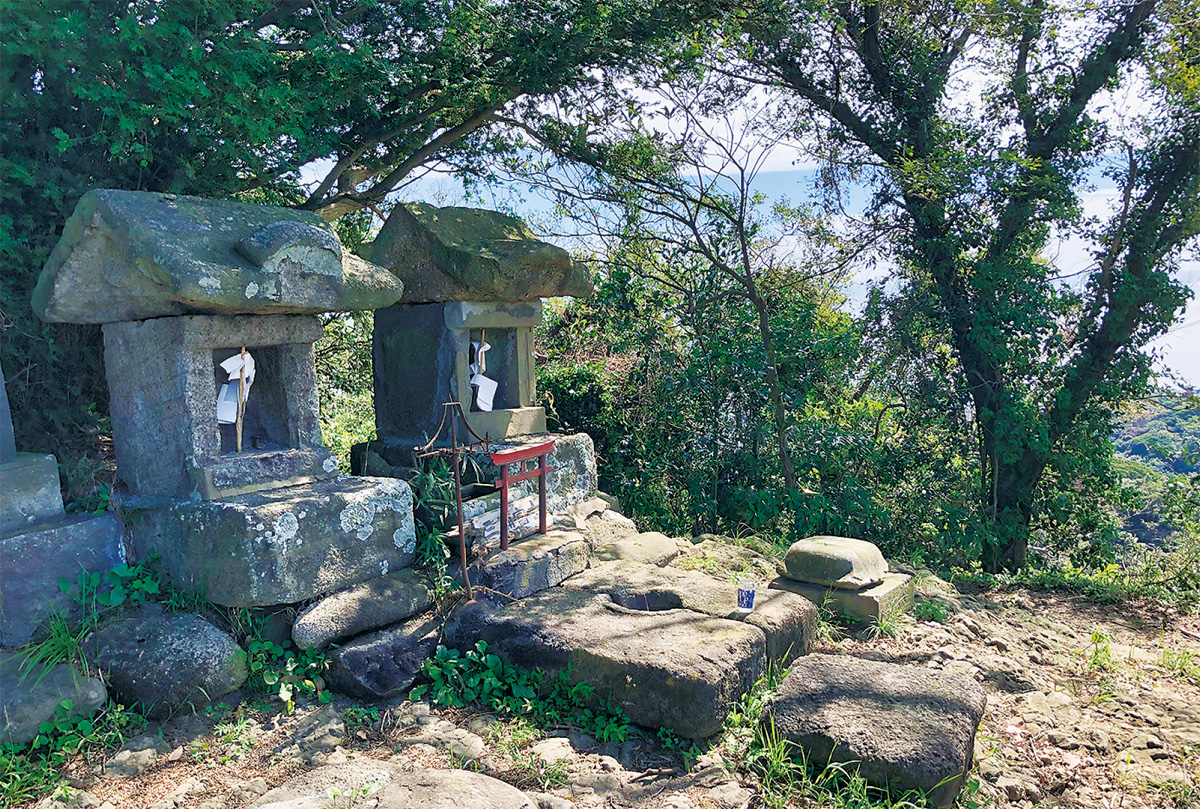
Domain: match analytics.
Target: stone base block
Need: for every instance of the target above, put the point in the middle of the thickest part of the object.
(572, 478)
(29, 492)
(282, 546)
(788, 622)
(31, 564)
(893, 594)
(534, 564)
(672, 668)
(901, 727)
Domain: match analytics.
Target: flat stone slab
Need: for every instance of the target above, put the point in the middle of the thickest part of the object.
(390, 785)
(384, 663)
(788, 622)
(134, 255)
(650, 548)
(841, 562)
(28, 700)
(672, 668)
(903, 727)
(469, 254)
(166, 661)
(32, 562)
(29, 492)
(533, 564)
(280, 546)
(370, 605)
(893, 594)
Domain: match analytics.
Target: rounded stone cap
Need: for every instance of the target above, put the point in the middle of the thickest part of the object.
(849, 564)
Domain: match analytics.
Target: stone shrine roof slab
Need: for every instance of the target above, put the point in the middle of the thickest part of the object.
(134, 255)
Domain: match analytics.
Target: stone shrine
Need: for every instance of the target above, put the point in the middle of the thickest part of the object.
(183, 285)
(39, 543)
(472, 279)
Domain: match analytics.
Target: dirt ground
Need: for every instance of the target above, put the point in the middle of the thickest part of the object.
(1088, 706)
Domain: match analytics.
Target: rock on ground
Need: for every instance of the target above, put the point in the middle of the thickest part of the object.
(902, 726)
(835, 562)
(384, 663)
(534, 564)
(28, 701)
(650, 548)
(166, 661)
(370, 605)
(673, 668)
(391, 787)
(788, 621)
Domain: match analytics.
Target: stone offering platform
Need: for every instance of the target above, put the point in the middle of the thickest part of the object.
(894, 594)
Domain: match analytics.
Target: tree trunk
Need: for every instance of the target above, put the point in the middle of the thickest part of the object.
(776, 393)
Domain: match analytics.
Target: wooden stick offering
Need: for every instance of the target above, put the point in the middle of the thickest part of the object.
(241, 408)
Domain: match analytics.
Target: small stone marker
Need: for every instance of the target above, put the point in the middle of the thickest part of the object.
(8, 443)
(849, 564)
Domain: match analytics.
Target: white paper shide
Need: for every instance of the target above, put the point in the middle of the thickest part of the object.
(227, 398)
(485, 388)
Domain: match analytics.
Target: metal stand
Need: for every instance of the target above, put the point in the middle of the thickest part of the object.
(456, 452)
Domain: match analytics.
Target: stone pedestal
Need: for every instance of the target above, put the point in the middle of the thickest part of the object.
(868, 605)
(39, 544)
(279, 546)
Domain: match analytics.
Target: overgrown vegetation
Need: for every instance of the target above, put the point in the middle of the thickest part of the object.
(547, 700)
(30, 771)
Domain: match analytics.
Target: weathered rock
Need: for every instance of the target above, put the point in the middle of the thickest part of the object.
(136, 756)
(379, 602)
(281, 546)
(721, 558)
(321, 732)
(789, 622)
(134, 255)
(391, 786)
(674, 668)
(29, 492)
(608, 527)
(163, 378)
(467, 254)
(166, 661)
(31, 563)
(650, 548)
(29, 699)
(841, 562)
(533, 564)
(891, 595)
(902, 726)
(385, 663)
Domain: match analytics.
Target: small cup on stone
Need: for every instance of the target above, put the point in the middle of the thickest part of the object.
(745, 595)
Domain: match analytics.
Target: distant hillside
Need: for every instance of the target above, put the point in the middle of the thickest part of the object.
(1166, 440)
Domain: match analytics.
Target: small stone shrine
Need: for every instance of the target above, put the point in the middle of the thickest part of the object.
(39, 543)
(205, 303)
(848, 576)
(463, 331)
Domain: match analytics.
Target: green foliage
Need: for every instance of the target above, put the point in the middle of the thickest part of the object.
(285, 673)
(230, 98)
(1167, 440)
(28, 772)
(361, 716)
(345, 381)
(930, 609)
(545, 699)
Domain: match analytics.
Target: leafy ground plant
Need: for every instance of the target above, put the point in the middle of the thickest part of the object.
(29, 771)
(286, 673)
(545, 699)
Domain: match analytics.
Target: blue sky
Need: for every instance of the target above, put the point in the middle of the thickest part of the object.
(1178, 351)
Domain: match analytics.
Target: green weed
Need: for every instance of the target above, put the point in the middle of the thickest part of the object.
(546, 699)
(286, 673)
(930, 609)
(361, 716)
(31, 771)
